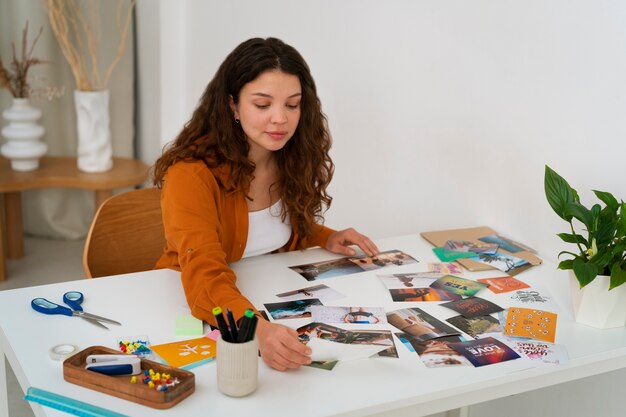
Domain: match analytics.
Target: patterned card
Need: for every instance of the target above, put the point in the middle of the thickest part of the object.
(530, 323)
(499, 285)
(473, 307)
(540, 351)
(444, 268)
(187, 354)
(458, 285)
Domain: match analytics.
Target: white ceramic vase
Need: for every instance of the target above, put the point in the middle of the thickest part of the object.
(23, 134)
(596, 306)
(95, 152)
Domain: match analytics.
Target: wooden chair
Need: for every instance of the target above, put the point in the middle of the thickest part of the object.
(126, 234)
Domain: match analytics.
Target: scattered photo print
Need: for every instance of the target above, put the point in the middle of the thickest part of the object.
(321, 292)
(326, 269)
(473, 307)
(419, 325)
(477, 327)
(535, 297)
(449, 256)
(349, 315)
(506, 244)
(503, 262)
(434, 353)
(458, 285)
(444, 268)
(487, 351)
(530, 323)
(466, 246)
(507, 283)
(383, 259)
(413, 280)
(379, 338)
(539, 351)
(291, 309)
(422, 294)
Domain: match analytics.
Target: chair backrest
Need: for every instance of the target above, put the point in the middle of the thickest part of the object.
(126, 234)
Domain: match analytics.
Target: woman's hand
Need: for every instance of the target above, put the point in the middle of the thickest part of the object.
(340, 241)
(280, 347)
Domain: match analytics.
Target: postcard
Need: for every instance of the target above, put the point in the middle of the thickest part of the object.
(503, 262)
(419, 325)
(422, 294)
(291, 309)
(487, 351)
(323, 350)
(467, 246)
(531, 323)
(383, 259)
(473, 307)
(449, 256)
(327, 269)
(187, 354)
(533, 297)
(507, 283)
(350, 315)
(539, 351)
(506, 243)
(321, 292)
(458, 285)
(444, 268)
(434, 353)
(376, 337)
(413, 280)
(478, 327)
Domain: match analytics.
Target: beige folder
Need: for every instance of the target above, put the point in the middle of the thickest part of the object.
(440, 237)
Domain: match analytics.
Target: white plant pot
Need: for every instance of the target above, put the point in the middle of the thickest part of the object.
(596, 306)
(95, 152)
(23, 135)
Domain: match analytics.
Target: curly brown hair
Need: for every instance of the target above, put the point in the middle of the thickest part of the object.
(212, 136)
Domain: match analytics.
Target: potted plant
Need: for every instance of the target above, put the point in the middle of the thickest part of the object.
(598, 262)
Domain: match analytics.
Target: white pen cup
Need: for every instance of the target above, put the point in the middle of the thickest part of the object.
(237, 367)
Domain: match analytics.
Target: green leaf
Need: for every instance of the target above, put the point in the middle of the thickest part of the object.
(621, 224)
(558, 192)
(572, 238)
(577, 210)
(569, 253)
(608, 199)
(619, 249)
(618, 276)
(601, 259)
(585, 272)
(566, 264)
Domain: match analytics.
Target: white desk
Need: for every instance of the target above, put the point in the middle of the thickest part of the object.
(147, 304)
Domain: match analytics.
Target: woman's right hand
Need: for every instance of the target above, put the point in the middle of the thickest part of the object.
(280, 347)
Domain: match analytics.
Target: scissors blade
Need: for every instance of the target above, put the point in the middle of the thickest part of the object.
(94, 317)
(92, 321)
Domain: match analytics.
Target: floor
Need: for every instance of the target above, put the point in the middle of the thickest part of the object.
(46, 261)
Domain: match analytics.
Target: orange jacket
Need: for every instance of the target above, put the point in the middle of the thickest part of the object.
(206, 228)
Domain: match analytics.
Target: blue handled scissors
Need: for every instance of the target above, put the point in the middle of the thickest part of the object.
(74, 299)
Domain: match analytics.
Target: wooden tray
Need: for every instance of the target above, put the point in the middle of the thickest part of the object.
(120, 386)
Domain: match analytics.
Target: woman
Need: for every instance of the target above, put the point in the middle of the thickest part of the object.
(248, 175)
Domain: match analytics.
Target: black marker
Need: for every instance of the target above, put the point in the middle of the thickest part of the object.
(221, 324)
(232, 324)
(246, 322)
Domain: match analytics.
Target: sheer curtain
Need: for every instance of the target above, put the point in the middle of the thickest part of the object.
(66, 213)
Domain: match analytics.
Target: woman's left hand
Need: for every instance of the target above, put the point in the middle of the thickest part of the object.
(340, 241)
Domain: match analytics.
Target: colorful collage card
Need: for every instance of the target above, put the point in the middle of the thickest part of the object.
(505, 263)
(478, 327)
(415, 287)
(349, 315)
(291, 309)
(530, 323)
(473, 307)
(458, 285)
(539, 351)
(466, 246)
(413, 280)
(419, 325)
(487, 351)
(383, 259)
(507, 283)
(535, 297)
(449, 256)
(506, 243)
(444, 268)
(422, 294)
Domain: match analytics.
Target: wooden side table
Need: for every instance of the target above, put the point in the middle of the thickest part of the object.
(54, 172)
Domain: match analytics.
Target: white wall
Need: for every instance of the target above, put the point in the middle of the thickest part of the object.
(443, 113)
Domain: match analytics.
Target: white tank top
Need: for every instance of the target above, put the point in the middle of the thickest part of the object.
(266, 231)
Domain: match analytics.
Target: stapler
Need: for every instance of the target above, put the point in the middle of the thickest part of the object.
(114, 364)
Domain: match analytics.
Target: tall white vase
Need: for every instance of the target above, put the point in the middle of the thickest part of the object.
(23, 146)
(95, 152)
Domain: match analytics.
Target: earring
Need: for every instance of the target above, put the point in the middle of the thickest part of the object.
(236, 121)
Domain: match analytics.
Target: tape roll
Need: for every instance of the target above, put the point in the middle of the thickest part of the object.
(62, 352)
